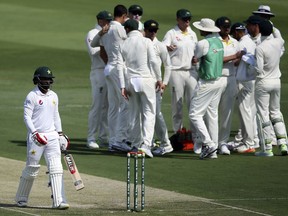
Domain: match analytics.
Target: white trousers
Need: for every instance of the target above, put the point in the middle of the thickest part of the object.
(118, 116)
(267, 97)
(246, 102)
(97, 118)
(226, 106)
(160, 125)
(182, 84)
(205, 103)
(142, 103)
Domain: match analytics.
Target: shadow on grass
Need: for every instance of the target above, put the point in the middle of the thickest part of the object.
(78, 147)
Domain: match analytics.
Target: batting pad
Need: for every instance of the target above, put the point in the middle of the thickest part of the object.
(26, 182)
(55, 175)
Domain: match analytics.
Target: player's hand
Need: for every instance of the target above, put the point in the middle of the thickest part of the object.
(158, 85)
(171, 48)
(194, 60)
(104, 30)
(39, 139)
(125, 93)
(63, 141)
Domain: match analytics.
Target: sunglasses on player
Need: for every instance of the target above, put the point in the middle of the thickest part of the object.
(185, 19)
(153, 30)
(139, 13)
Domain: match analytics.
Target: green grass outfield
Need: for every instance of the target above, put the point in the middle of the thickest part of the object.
(38, 32)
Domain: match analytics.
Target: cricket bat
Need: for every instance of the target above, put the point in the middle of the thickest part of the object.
(71, 165)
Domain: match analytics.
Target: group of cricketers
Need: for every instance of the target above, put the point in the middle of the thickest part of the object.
(234, 63)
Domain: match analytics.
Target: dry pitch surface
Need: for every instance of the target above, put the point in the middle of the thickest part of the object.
(101, 194)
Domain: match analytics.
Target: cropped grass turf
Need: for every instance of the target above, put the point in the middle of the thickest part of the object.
(52, 33)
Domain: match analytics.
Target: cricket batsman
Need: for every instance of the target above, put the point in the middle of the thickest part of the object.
(44, 136)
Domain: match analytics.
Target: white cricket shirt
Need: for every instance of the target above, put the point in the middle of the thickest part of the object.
(185, 44)
(94, 52)
(41, 112)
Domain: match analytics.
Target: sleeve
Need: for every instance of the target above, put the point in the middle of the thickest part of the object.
(91, 50)
(153, 60)
(202, 48)
(57, 119)
(259, 60)
(28, 112)
(120, 67)
(96, 41)
(167, 40)
(122, 33)
(165, 58)
(276, 33)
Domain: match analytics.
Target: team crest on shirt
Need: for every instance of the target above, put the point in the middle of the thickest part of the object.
(40, 102)
(54, 102)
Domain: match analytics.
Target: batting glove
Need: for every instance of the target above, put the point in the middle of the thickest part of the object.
(63, 141)
(39, 139)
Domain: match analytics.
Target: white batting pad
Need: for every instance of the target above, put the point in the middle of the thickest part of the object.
(26, 181)
(55, 175)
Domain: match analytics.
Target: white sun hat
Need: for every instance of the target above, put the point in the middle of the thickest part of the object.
(206, 24)
(264, 9)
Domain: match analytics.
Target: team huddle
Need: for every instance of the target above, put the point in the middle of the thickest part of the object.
(233, 64)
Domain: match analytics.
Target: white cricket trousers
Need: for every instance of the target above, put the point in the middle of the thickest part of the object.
(267, 98)
(118, 116)
(246, 102)
(182, 84)
(142, 103)
(226, 106)
(97, 118)
(204, 104)
(160, 124)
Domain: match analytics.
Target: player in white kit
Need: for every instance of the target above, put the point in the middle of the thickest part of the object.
(203, 111)
(136, 12)
(118, 121)
(97, 118)
(268, 89)
(181, 41)
(150, 28)
(245, 76)
(44, 136)
(137, 53)
(228, 96)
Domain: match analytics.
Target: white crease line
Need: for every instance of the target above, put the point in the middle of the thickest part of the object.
(14, 210)
(236, 208)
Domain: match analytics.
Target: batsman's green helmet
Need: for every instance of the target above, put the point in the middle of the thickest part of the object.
(42, 72)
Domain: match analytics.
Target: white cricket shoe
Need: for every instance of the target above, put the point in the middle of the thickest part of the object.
(22, 204)
(63, 206)
(121, 146)
(162, 150)
(92, 145)
(146, 149)
(224, 150)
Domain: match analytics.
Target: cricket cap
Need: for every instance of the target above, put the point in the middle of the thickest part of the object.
(223, 22)
(131, 24)
(264, 10)
(183, 13)
(151, 24)
(135, 9)
(237, 27)
(105, 15)
(254, 19)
